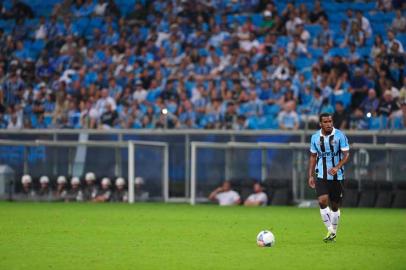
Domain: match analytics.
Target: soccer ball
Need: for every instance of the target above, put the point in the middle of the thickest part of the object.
(265, 239)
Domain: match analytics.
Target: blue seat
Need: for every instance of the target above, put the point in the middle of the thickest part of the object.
(252, 122)
(314, 29)
(303, 62)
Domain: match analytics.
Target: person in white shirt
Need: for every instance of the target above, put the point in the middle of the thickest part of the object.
(225, 196)
(258, 198)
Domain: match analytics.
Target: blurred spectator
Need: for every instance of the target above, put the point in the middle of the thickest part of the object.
(387, 104)
(140, 194)
(120, 194)
(91, 190)
(359, 88)
(392, 41)
(225, 196)
(288, 117)
(317, 13)
(28, 192)
(358, 120)
(75, 194)
(44, 192)
(370, 103)
(104, 193)
(61, 191)
(399, 22)
(258, 198)
(340, 116)
(364, 23)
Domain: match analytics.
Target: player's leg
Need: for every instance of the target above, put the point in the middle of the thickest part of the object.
(336, 196)
(323, 199)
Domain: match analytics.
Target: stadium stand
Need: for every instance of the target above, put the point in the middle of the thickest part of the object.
(368, 194)
(351, 193)
(210, 64)
(399, 200)
(385, 194)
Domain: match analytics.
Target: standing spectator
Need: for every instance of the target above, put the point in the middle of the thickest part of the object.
(225, 196)
(258, 198)
(288, 117)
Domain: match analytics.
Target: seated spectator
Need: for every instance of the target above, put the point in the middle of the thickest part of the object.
(364, 23)
(399, 118)
(391, 40)
(258, 198)
(61, 191)
(75, 194)
(359, 88)
(358, 120)
(370, 103)
(104, 193)
(288, 117)
(140, 194)
(120, 194)
(340, 116)
(387, 104)
(91, 190)
(317, 14)
(109, 118)
(28, 192)
(399, 22)
(224, 195)
(355, 36)
(44, 192)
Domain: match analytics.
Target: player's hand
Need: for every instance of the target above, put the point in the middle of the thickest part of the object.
(312, 182)
(333, 171)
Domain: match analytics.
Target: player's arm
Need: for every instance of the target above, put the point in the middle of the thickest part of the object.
(213, 194)
(346, 156)
(312, 165)
(252, 203)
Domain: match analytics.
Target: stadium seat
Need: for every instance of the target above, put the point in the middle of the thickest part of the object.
(384, 198)
(350, 198)
(399, 200)
(368, 194)
(279, 192)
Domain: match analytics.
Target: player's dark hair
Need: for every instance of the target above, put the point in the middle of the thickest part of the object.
(324, 115)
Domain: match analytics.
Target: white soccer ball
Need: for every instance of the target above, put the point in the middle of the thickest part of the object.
(265, 239)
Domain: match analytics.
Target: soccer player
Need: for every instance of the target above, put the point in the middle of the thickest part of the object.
(329, 151)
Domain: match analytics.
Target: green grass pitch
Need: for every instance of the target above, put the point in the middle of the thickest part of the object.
(176, 236)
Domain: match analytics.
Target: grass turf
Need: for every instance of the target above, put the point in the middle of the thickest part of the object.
(172, 236)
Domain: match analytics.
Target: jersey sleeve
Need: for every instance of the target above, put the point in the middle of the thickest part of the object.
(313, 149)
(344, 146)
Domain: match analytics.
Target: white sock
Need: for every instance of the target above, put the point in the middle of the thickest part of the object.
(335, 217)
(326, 217)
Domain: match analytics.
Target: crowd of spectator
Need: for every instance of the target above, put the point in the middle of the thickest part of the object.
(257, 64)
(76, 191)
